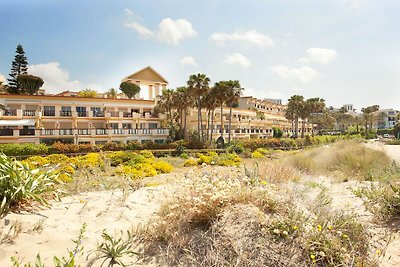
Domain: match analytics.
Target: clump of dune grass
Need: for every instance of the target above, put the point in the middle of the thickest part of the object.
(244, 221)
(345, 160)
(383, 198)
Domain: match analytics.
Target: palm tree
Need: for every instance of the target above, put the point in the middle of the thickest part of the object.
(112, 93)
(234, 91)
(295, 105)
(221, 96)
(211, 103)
(310, 107)
(369, 116)
(184, 101)
(198, 85)
(165, 103)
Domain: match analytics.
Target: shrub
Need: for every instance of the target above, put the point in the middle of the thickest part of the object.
(147, 154)
(120, 157)
(278, 133)
(162, 167)
(89, 160)
(184, 156)
(235, 147)
(65, 173)
(23, 149)
(19, 183)
(227, 159)
(190, 162)
(257, 155)
(57, 159)
(36, 161)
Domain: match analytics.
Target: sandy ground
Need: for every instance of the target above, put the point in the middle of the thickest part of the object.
(113, 211)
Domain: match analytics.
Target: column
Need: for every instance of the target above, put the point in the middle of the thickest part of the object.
(137, 96)
(157, 89)
(151, 97)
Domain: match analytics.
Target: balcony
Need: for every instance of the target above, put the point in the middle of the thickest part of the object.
(27, 132)
(101, 131)
(10, 112)
(114, 114)
(49, 113)
(29, 113)
(6, 132)
(66, 113)
(48, 132)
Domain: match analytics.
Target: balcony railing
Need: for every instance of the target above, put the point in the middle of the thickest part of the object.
(49, 113)
(127, 114)
(6, 132)
(66, 132)
(48, 132)
(101, 131)
(82, 114)
(66, 113)
(98, 114)
(114, 114)
(25, 132)
(10, 112)
(30, 113)
(83, 131)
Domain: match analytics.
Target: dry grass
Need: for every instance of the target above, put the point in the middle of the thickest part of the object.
(241, 220)
(344, 160)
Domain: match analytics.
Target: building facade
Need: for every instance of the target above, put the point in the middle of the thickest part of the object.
(387, 118)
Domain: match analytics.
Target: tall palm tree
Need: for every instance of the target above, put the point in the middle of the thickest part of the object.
(315, 105)
(234, 91)
(295, 105)
(198, 85)
(221, 96)
(165, 104)
(185, 101)
(211, 103)
(112, 93)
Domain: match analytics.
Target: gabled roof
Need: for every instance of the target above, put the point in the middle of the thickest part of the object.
(147, 74)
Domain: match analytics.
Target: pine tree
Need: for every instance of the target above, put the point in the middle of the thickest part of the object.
(19, 66)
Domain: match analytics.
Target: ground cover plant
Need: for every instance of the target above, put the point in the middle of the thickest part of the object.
(21, 185)
(344, 160)
(212, 158)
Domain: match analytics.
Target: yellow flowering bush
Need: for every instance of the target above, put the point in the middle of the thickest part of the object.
(89, 160)
(162, 167)
(190, 162)
(36, 161)
(257, 155)
(55, 159)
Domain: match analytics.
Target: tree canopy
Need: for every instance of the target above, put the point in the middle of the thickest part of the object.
(29, 84)
(129, 89)
(18, 66)
(88, 93)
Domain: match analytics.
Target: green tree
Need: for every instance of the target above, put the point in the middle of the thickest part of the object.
(89, 93)
(184, 101)
(211, 103)
(112, 93)
(29, 84)
(369, 114)
(312, 107)
(18, 66)
(234, 92)
(3, 87)
(198, 85)
(221, 97)
(129, 89)
(165, 104)
(294, 109)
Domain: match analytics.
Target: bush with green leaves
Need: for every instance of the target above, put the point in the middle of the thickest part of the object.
(20, 184)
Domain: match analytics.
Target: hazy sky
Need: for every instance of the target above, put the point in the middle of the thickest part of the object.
(345, 51)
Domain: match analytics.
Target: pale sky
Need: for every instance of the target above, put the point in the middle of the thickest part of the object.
(345, 51)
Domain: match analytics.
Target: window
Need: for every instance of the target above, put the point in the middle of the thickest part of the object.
(49, 111)
(114, 125)
(66, 111)
(81, 111)
(159, 141)
(127, 125)
(152, 125)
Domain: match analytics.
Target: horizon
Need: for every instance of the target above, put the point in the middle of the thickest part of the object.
(343, 51)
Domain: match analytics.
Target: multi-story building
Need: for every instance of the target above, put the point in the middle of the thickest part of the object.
(252, 118)
(387, 118)
(69, 118)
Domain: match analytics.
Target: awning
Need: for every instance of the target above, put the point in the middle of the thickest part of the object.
(17, 122)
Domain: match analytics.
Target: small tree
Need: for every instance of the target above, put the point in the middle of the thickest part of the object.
(369, 114)
(30, 84)
(88, 93)
(278, 133)
(396, 131)
(129, 89)
(19, 66)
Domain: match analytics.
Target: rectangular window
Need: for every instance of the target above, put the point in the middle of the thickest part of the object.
(49, 111)
(114, 125)
(81, 111)
(152, 125)
(127, 125)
